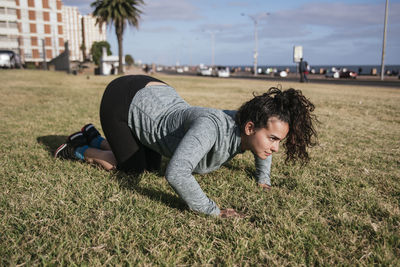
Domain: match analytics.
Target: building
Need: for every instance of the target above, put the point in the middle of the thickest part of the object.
(109, 64)
(92, 33)
(72, 20)
(40, 23)
(29, 27)
(8, 26)
(81, 32)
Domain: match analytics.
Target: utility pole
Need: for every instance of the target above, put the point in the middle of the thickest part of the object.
(83, 46)
(384, 42)
(213, 48)
(212, 33)
(255, 20)
(44, 55)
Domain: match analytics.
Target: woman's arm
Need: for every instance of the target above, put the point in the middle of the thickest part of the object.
(195, 145)
(263, 171)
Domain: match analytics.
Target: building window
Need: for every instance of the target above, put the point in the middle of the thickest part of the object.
(32, 15)
(31, 3)
(49, 54)
(35, 53)
(47, 41)
(59, 5)
(3, 24)
(17, 2)
(2, 10)
(18, 14)
(60, 29)
(59, 17)
(47, 28)
(45, 3)
(60, 42)
(46, 16)
(34, 41)
(12, 25)
(32, 28)
(11, 11)
(4, 37)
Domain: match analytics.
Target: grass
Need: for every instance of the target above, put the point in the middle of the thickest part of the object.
(341, 209)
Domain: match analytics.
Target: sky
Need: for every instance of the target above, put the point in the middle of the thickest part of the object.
(331, 32)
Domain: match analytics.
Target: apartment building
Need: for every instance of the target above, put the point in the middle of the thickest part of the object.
(81, 31)
(27, 25)
(72, 20)
(92, 33)
(8, 25)
(40, 21)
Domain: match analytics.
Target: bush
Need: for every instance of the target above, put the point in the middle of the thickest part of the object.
(97, 50)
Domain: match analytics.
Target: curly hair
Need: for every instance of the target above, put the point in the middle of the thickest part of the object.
(290, 106)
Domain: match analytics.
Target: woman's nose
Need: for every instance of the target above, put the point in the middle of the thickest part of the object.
(275, 147)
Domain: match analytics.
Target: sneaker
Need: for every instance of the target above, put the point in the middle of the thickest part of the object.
(90, 132)
(76, 140)
(65, 151)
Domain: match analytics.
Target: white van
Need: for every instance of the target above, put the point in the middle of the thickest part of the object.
(9, 59)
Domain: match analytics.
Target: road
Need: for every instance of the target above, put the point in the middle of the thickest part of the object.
(393, 82)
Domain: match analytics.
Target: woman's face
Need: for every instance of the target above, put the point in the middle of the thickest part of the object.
(264, 141)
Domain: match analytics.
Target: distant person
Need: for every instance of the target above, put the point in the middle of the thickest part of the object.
(146, 68)
(144, 118)
(112, 69)
(303, 69)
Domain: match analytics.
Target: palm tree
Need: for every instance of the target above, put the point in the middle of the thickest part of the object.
(118, 12)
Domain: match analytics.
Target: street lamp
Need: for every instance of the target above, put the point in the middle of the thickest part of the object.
(212, 45)
(384, 42)
(255, 19)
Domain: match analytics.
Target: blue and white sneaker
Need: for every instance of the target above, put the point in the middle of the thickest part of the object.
(67, 150)
(90, 132)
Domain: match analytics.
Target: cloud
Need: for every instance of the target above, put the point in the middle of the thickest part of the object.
(337, 14)
(174, 10)
(161, 29)
(324, 23)
(239, 4)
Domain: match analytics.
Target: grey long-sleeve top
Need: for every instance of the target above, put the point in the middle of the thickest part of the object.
(196, 139)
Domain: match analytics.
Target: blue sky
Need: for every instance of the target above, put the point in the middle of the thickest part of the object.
(331, 32)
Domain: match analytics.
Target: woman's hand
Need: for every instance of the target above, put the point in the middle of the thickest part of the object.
(265, 187)
(230, 213)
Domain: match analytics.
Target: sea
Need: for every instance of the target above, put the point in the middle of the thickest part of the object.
(360, 69)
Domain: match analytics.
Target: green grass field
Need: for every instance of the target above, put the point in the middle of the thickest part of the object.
(341, 209)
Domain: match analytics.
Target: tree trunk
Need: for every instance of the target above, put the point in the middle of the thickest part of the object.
(119, 31)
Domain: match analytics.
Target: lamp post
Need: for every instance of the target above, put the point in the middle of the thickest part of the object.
(255, 19)
(384, 42)
(212, 33)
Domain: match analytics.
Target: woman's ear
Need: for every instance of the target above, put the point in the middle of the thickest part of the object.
(249, 128)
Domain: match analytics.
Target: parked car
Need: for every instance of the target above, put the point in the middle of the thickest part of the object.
(9, 59)
(347, 74)
(204, 71)
(332, 74)
(221, 71)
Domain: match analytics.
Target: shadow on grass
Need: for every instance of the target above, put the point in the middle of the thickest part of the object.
(126, 180)
(51, 142)
(131, 181)
(249, 171)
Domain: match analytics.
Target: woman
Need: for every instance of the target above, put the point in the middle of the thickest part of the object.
(143, 119)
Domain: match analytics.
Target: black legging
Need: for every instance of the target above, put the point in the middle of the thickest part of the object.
(131, 155)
